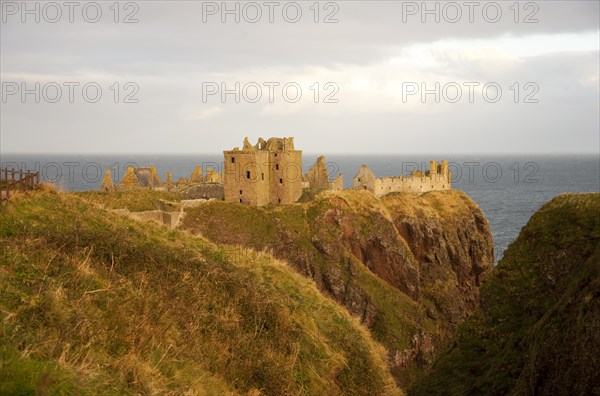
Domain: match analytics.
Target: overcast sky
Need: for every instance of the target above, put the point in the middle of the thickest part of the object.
(501, 77)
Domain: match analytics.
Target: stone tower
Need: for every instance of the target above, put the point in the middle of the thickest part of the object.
(268, 172)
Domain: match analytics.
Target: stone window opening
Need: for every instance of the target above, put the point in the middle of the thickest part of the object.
(262, 176)
(247, 174)
(276, 166)
(233, 160)
(280, 181)
(240, 192)
(279, 200)
(240, 200)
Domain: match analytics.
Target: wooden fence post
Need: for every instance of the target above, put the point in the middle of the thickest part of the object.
(27, 180)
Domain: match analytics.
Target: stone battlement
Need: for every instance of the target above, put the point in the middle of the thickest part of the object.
(438, 177)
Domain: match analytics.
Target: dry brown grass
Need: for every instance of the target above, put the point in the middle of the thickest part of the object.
(95, 303)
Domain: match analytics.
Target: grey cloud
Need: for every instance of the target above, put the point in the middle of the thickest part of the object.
(170, 52)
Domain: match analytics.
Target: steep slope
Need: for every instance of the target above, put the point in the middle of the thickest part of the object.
(95, 303)
(450, 238)
(538, 329)
(408, 266)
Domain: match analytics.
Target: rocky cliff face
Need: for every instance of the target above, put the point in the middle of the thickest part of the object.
(537, 331)
(450, 238)
(409, 266)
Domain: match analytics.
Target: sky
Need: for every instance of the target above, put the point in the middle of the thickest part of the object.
(340, 76)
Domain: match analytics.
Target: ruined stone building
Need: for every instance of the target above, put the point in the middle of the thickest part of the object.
(107, 182)
(317, 177)
(146, 178)
(140, 177)
(201, 186)
(268, 172)
(436, 178)
(134, 178)
(198, 178)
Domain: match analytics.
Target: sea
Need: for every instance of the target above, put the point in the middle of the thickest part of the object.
(508, 188)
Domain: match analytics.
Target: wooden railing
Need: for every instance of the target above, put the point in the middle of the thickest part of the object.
(12, 180)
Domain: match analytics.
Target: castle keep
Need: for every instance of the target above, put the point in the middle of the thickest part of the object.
(268, 172)
(436, 178)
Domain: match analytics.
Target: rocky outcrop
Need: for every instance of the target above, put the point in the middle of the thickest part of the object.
(363, 230)
(537, 331)
(450, 238)
(408, 265)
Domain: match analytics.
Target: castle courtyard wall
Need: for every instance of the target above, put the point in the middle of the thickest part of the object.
(416, 184)
(436, 179)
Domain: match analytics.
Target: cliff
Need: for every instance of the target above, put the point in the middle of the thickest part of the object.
(96, 303)
(451, 240)
(537, 331)
(407, 265)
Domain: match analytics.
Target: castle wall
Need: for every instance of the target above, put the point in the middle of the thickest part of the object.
(286, 184)
(317, 176)
(416, 184)
(246, 177)
(365, 179)
(130, 179)
(107, 182)
(436, 179)
(337, 184)
(196, 176)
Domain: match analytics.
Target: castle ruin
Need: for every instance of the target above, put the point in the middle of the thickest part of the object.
(197, 186)
(317, 177)
(134, 178)
(270, 172)
(436, 178)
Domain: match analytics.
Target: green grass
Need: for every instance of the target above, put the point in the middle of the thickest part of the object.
(538, 328)
(95, 303)
(134, 200)
(297, 232)
(323, 237)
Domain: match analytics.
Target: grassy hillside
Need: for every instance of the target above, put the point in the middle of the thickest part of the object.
(288, 232)
(367, 254)
(538, 329)
(95, 303)
(133, 200)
